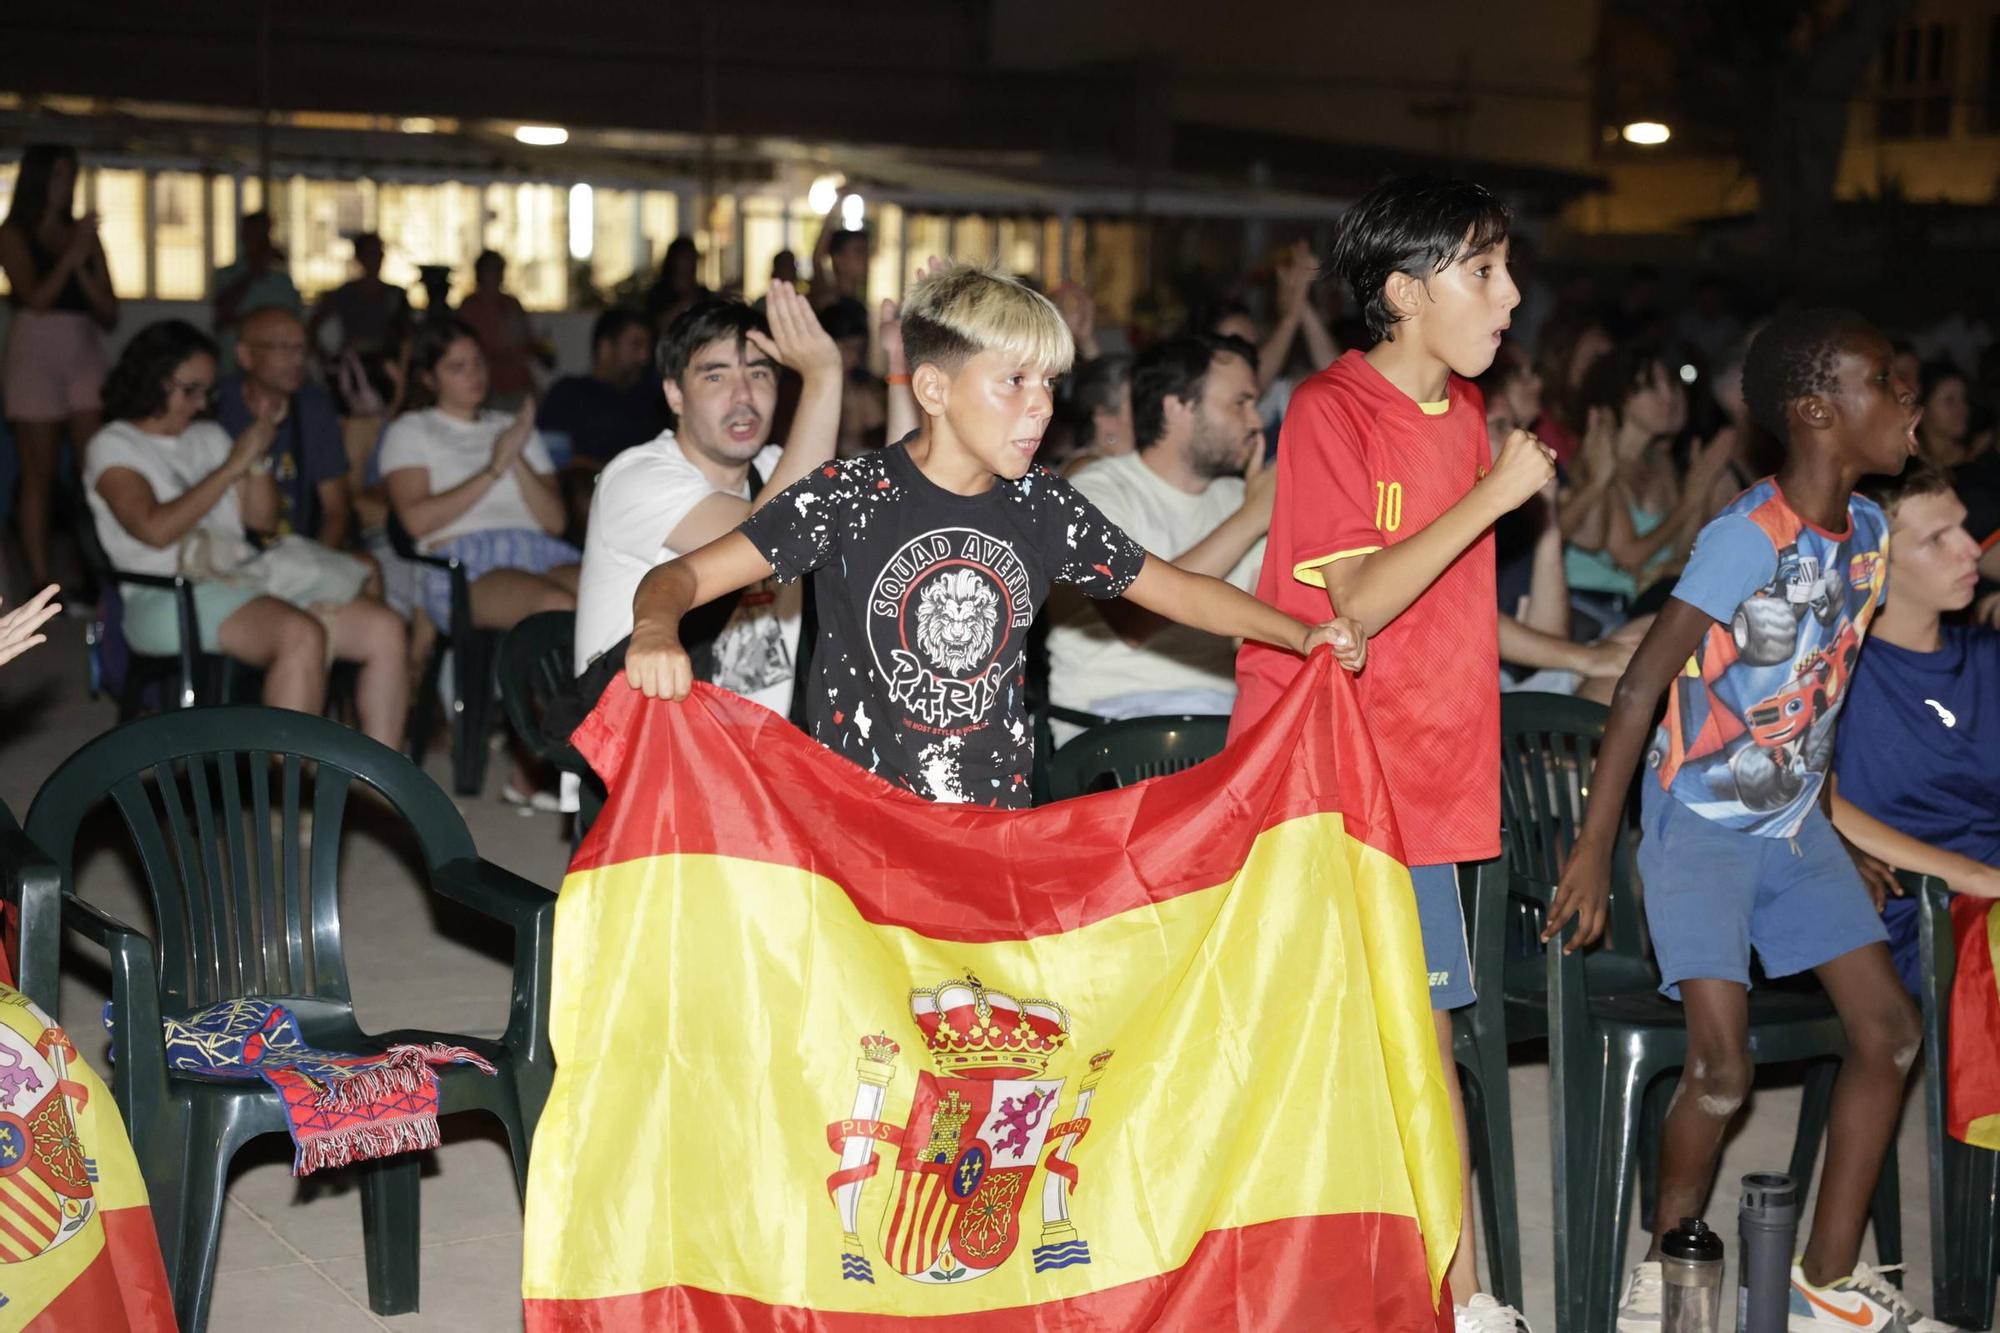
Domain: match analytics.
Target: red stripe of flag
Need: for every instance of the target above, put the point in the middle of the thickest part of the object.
(39, 1220)
(1136, 846)
(1314, 1274)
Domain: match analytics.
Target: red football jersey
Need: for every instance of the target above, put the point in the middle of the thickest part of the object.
(1361, 466)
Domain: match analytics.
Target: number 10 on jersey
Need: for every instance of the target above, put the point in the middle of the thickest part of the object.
(1388, 505)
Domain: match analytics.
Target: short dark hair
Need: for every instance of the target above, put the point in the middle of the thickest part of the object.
(136, 388)
(611, 325)
(1917, 478)
(845, 318)
(1177, 368)
(1419, 225)
(489, 259)
(710, 319)
(842, 239)
(1793, 357)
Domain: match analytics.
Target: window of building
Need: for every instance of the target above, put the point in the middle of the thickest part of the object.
(1917, 82)
(618, 240)
(180, 243)
(118, 197)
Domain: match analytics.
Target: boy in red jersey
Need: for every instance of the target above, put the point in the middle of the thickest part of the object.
(1388, 490)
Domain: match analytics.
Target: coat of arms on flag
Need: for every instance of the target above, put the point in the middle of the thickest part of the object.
(828, 1056)
(968, 1151)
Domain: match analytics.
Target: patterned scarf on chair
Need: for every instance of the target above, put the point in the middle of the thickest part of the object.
(340, 1108)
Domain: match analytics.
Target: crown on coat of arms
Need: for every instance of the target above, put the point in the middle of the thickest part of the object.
(879, 1048)
(974, 1032)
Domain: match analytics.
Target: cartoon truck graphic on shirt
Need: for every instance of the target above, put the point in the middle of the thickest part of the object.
(1766, 626)
(1792, 731)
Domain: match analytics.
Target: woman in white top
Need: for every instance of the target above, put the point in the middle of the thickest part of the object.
(155, 475)
(477, 485)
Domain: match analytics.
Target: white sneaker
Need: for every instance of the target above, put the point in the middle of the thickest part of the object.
(1862, 1302)
(1639, 1308)
(1483, 1314)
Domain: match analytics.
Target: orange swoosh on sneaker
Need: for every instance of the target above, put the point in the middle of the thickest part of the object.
(1861, 1318)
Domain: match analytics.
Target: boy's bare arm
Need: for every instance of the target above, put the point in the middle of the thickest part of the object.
(655, 662)
(1376, 588)
(1899, 849)
(1586, 880)
(1206, 603)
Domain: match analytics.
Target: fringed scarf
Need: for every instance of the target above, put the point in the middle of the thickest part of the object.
(339, 1108)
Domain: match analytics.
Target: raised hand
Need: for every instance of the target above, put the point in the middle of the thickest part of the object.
(1079, 310)
(18, 628)
(797, 339)
(1295, 274)
(1524, 466)
(513, 441)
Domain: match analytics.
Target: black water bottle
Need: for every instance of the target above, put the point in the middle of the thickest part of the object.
(1691, 1278)
(1767, 1223)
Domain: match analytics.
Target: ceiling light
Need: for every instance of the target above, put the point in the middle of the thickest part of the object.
(1646, 133)
(853, 212)
(542, 136)
(417, 125)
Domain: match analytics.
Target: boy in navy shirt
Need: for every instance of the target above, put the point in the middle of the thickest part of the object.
(1917, 766)
(1757, 645)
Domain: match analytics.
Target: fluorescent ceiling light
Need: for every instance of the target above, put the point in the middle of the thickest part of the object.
(542, 136)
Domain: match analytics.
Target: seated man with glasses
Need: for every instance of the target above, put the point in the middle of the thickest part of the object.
(308, 460)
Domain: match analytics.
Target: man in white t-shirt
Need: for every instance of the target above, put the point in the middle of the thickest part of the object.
(719, 361)
(1185, 495)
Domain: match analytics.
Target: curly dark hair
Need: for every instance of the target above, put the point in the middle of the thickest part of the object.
(137, 386)
(1794, 357)
(1419, 225)
(1614, 377)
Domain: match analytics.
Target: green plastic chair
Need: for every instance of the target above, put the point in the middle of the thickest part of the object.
(1121, 753)
(255, 911)
(1613, 1039)
(534, 665)
(1965, 1181)
(33, 891)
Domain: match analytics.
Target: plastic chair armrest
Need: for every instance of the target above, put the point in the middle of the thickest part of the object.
(1076, 717)
(1534, 890)
(138, 1041)
(190, 628)
(531, 910)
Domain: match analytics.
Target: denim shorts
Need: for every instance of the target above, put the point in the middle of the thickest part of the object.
(1713, 894)
(1441, 918)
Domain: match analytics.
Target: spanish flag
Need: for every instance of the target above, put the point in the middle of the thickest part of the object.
(78, 1253)
(1972, 1082)
(830, 1057)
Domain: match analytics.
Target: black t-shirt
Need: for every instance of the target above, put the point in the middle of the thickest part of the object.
(924, 608)
(602, 419)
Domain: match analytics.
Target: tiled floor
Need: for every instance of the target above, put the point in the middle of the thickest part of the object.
(291, 1251)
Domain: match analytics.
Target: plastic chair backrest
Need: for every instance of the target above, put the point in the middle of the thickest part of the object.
(1121, 753)
(534, 664)
(245, 896)
(1548, 753)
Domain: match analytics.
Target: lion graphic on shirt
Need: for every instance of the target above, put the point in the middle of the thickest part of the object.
(957, 615)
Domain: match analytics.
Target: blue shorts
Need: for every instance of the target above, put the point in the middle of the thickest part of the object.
(1441, 918)
(1713, 894)
(483, 552)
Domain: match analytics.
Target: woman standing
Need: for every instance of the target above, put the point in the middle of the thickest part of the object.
(60, 289)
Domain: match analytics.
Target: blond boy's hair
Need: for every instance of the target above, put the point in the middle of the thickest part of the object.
(958, 312)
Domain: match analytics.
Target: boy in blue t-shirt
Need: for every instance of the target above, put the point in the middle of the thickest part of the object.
(1917, 765)
(1758, 644)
